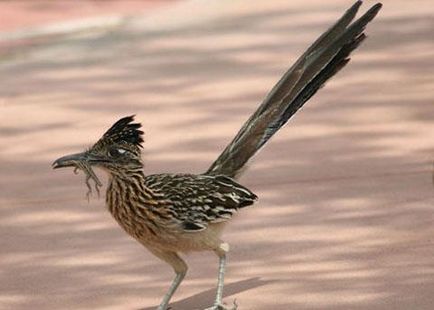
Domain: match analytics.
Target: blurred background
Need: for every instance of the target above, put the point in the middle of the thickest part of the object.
(346, 216)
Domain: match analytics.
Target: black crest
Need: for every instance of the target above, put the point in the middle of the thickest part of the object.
(124, 130)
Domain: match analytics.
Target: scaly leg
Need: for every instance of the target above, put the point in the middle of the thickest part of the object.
(165, 302)
(221, 252)
(221, 280)
(180, 268)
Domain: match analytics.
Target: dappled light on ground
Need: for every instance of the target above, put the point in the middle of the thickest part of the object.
(345, 217)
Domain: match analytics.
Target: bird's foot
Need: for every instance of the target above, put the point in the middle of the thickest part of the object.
(222, 307)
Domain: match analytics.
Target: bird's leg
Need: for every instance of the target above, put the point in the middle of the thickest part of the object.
(218, 305)
(165, 302)
(180, 268)
(221, 279)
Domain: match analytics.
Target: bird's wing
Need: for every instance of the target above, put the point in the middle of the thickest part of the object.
(194, 201)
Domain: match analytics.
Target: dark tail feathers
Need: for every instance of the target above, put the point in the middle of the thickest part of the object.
(322, 60)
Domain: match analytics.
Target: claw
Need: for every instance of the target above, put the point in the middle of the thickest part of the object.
(222, 307)
(89, 188)
(90, 174)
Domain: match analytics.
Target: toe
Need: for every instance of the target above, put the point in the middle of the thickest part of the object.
(221, 307)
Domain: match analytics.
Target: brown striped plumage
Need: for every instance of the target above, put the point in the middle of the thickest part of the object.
(167, 210)
(176, 213)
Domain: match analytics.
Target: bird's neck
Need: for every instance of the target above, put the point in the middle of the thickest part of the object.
(125, 182)
(129, 200)
(126, 175)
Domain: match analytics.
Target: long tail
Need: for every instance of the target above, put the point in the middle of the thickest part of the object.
(322, 60)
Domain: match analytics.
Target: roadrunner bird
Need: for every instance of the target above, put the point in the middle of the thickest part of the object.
(171, 214)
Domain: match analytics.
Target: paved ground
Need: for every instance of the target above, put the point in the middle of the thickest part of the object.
(19, 15)
(345, 219)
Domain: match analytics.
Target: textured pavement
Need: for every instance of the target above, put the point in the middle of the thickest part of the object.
(20, 15)
(346, 211)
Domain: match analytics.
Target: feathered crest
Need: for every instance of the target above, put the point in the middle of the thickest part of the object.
(125, 131)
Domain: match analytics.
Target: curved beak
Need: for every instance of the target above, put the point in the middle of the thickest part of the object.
(73, 159)
(70, 160)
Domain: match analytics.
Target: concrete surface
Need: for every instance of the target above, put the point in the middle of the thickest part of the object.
(345, 218)
(19, 15)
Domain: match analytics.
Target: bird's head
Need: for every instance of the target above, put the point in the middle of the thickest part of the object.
(117, 151)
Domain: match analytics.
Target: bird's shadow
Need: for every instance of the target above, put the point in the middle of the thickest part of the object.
(205, 299)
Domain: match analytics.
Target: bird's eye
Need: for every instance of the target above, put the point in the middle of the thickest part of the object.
(116, 152)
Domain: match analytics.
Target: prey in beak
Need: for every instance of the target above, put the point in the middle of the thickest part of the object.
(116, 152)
(81, 161)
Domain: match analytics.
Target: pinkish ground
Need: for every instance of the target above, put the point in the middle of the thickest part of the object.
(19, 14)
(346, 212)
